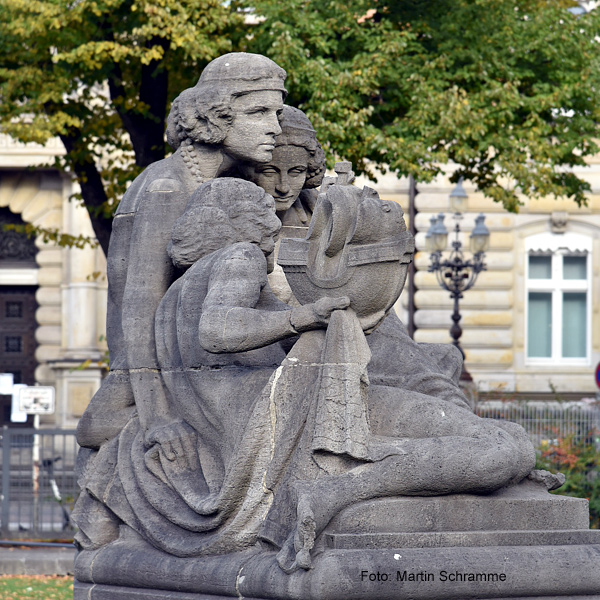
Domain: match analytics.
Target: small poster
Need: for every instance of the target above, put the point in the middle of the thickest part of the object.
(37, 400)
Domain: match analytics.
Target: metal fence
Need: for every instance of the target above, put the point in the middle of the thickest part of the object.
(39, 486)
(547, 422)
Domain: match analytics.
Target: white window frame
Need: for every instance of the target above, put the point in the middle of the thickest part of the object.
(557, 246)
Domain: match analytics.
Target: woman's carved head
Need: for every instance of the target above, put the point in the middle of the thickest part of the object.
(298, 131)
(298, 161)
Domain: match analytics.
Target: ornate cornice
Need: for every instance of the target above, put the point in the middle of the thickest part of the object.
(14, 247)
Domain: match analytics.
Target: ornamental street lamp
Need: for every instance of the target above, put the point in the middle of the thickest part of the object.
(457, 274)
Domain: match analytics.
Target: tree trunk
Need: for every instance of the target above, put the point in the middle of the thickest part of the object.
(146, 131)
(93, 193)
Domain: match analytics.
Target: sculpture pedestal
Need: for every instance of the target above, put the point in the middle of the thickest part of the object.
(516, 543)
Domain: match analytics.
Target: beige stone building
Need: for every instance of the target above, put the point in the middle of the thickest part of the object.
(531, 323)
(52, 299)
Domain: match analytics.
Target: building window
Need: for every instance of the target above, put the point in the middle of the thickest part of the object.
(14, 310)
(17, 332)
(13, 343)
(558, 299)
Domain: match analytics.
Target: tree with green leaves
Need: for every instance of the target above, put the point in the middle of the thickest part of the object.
(508, 90)
(505, 89)
(100, 74)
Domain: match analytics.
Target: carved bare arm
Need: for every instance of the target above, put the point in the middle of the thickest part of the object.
(231, 323)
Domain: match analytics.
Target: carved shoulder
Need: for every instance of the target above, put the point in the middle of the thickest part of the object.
(238, 274)
(161, 176)
(243, 259)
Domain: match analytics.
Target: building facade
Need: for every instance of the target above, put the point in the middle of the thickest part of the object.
(531, 324)
(52, 299)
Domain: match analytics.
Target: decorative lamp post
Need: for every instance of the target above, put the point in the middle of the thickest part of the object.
(457, 274)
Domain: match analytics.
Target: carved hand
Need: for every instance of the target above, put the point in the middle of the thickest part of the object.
(316, 315)
(177, 441)
(175, 448)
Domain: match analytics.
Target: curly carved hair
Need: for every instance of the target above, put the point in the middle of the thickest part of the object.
(222, 212)
(203, 113)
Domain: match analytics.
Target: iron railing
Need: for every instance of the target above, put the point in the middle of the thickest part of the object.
(548, 422)
(39, 485)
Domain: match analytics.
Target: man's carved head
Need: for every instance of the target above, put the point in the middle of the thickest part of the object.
(204, 113)
(222, 212)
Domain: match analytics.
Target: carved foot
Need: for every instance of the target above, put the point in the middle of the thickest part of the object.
(552, 481)
(295, 553)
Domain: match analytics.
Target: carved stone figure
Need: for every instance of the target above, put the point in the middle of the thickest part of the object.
(218, 330)
(243, 446)
(231, 115)
(294, 172)
(226, 472)
(291, 177)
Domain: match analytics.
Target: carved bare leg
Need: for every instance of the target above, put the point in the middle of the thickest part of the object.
(431, 466)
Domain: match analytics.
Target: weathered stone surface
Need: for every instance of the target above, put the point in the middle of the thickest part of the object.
(527, 506)
(100, 592)
(570, 537)
(559, 571)
(86, 591)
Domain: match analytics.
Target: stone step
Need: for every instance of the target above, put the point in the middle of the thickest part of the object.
(461, 539)
(524, 507)
(565, 572)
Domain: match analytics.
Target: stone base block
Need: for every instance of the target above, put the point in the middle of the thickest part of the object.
(89, 591)
(567, 571)
(86, 591)
(527, 506)
(517, 543)
(107, 592)
(459, 539)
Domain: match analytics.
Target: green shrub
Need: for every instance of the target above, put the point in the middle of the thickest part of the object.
(579, 460)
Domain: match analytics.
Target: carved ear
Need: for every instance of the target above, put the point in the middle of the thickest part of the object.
(316, 168)
(202, 130)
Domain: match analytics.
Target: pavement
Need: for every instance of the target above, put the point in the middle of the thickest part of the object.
(36, 561)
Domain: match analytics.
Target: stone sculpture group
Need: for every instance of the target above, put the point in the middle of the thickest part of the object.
(250, 406)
